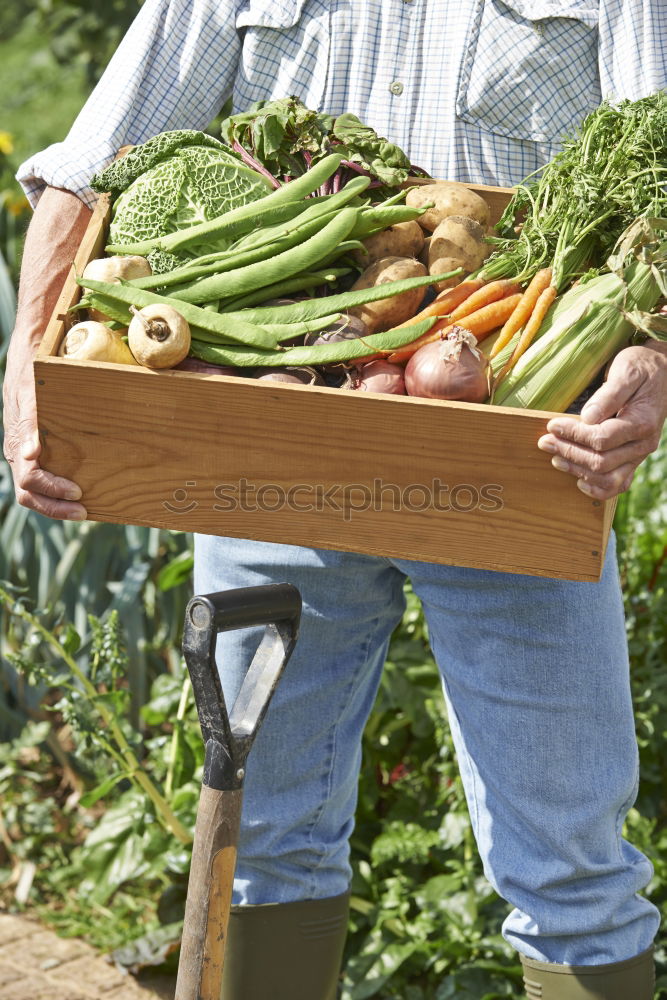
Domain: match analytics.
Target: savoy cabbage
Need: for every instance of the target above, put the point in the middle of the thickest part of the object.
(172, 181)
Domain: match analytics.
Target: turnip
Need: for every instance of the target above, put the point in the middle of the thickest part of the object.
(92, 341)
(159, 337)
(115, 269)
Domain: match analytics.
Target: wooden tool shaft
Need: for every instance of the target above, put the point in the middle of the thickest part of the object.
(209, 895)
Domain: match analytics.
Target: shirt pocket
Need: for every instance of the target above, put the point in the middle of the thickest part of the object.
(286, 45)
(530, 67)
(270, 13)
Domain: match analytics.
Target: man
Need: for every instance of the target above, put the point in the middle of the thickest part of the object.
(535, 671)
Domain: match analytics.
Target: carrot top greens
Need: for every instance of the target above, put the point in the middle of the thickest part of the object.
(576, 206)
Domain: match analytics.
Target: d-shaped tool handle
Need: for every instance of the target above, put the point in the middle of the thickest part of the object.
(228, 739)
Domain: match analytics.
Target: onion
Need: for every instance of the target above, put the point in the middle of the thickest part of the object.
(190, 364)
(378, 376)
(452, 368)
(303, 375)
(346, 328)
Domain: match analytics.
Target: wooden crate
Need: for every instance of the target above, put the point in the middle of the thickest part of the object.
(455, 483)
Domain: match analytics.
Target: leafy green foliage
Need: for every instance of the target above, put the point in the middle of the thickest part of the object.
(85, 31)
(606, 175)
(120, 823)
(285, 138)
(361, 144)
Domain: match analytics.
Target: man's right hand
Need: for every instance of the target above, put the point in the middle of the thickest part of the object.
(53, 237)
(34, 487)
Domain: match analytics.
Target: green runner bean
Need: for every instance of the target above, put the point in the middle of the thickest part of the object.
(311, 308)
(299, 283)
(236, 329)
(265, 272)
(318, 354)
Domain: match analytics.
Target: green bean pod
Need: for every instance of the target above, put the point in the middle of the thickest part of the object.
(317, 354)
(281, 289)
(236, 329)
(311, 209)
(375, 218)
(311, 308)
(189, 277)
(265, 272)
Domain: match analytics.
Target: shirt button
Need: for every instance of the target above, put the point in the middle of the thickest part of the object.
(396, 87)
(408, 1)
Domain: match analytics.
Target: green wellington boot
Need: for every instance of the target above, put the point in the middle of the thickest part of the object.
(633, 979)
(285, 951)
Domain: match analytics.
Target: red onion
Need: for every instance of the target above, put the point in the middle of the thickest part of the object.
(452, 368)
(378, 376)
(347, 328)
(304, 375)
(190, 364)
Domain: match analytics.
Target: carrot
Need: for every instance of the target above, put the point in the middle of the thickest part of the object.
(524, 309)
(544, 301)
(490, 292)
(406, 352)
(480, 323)
(447, 300)
(443, 304)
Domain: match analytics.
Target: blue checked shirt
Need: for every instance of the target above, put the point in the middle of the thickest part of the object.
(474, 90)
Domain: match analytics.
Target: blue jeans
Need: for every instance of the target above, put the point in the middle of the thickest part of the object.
(535, 674)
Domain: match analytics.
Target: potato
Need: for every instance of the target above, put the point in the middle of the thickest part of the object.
(423, 256)
(387, 313)
(461, 237)
(457, 242)
(404, 239)
(449, 198)
(442, 266)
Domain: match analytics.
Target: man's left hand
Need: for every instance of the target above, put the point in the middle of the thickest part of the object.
(619, 426)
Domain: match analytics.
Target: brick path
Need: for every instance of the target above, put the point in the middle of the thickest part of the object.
(35, 964)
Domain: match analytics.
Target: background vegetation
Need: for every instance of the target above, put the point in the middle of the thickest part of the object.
(100, 755)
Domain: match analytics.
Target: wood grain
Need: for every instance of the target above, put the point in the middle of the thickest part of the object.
(209, 895)
(216, 455)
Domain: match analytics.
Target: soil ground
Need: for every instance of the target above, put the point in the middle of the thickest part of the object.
(35, 964)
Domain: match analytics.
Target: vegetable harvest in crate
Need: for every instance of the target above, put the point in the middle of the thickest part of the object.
(302, 245)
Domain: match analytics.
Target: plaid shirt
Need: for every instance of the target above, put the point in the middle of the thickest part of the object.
(474, 90)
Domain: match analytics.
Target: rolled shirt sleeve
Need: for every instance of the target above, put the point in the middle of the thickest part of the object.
(174, 68)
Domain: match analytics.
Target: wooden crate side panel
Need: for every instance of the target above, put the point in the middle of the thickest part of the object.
(91, 246)
(216, 455)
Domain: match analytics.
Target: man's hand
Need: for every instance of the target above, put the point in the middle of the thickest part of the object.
(620, 424)
(34, 488)
(54, 234)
